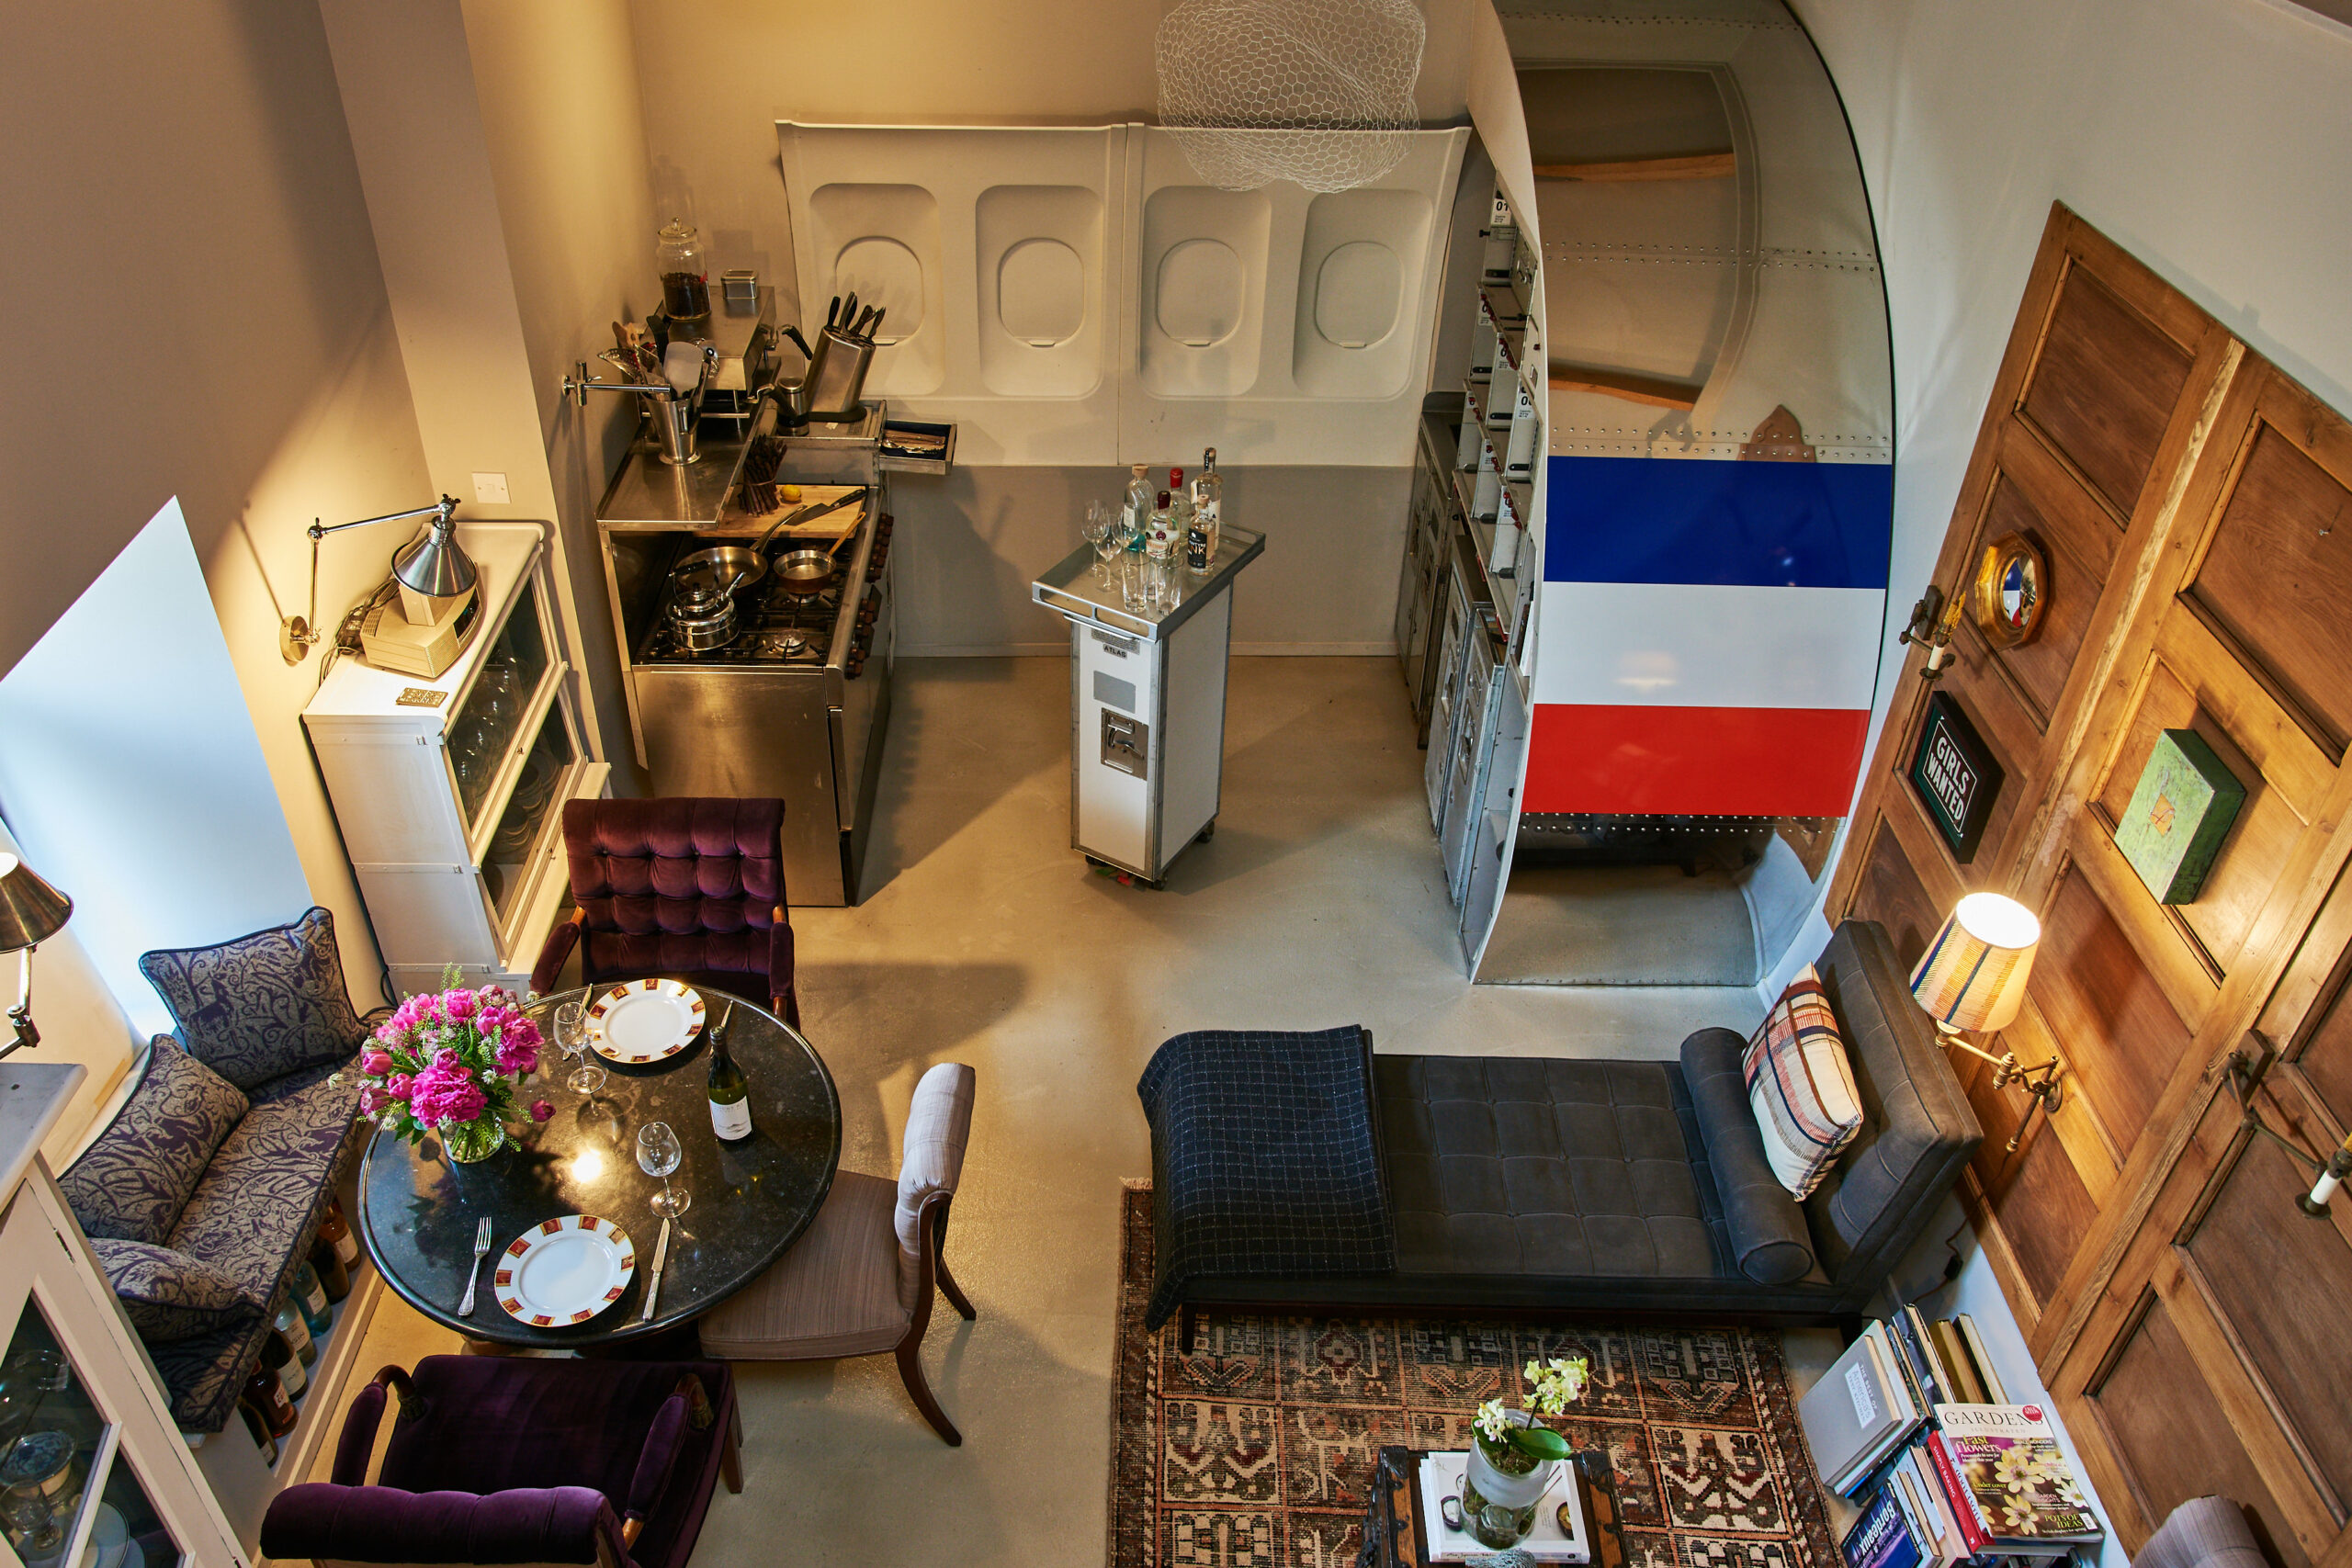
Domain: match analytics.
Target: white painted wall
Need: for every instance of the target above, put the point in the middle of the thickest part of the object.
(2206, 137)
(133, 777)
(185, 237)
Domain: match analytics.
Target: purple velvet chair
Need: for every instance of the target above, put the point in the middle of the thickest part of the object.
(683, 885)
(513, 1460)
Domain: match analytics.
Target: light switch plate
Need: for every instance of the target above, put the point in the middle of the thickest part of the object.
(489, 490)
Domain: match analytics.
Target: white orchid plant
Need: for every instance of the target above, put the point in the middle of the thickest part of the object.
(1552, 1387)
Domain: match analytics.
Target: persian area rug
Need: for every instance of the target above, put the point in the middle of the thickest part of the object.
(1254, 1451)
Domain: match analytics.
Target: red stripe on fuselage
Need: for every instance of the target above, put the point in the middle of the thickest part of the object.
(1694, 761)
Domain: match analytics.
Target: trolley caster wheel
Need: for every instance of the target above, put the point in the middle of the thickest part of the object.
(1206, 834)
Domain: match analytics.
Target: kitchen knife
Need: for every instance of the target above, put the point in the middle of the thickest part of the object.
(653, 1285)
(874, 327)
(833, 311)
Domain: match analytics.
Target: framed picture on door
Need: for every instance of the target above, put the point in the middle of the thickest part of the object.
(1953, 773)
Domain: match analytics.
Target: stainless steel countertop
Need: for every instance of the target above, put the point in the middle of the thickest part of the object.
(650, 492)
(1069, 588)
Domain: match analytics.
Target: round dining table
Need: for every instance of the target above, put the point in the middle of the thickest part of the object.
(751, 1199)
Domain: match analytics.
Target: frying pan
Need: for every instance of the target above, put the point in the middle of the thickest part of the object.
(809, 570)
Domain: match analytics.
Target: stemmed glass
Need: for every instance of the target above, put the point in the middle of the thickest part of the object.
(1098, 531)
(571, 1039)
(1110, 542)
(657, 1154)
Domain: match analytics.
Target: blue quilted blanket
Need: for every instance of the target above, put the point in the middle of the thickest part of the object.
(1264, 1160)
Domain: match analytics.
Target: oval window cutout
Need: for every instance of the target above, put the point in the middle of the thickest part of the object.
(882, 271)
(1041, 292)
(1356, 293)
(1197, 298)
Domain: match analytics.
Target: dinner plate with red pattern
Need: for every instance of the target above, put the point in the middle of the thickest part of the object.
(639, 1022)
(565, 1271)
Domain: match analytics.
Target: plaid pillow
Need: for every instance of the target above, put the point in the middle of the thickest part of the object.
(1800, 1087)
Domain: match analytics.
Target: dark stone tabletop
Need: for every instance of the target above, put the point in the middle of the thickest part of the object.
(752, 1201)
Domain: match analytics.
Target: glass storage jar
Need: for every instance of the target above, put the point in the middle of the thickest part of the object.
(685, 271)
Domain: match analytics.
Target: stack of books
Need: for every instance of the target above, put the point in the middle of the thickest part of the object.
(1913, 1422)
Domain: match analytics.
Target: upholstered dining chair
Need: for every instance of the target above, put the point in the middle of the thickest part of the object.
(514, 1460)
(683, 885)
(860, 1280)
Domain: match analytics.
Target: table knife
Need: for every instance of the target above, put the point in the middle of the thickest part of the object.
(653, 1285)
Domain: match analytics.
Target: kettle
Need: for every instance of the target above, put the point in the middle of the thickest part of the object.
(828, 390)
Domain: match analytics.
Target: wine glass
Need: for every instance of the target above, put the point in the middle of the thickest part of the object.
(657, 1154)
(571, 1039)
(1097, 529)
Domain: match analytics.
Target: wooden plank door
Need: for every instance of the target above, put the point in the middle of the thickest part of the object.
(2105, 394)
(2203, 1300)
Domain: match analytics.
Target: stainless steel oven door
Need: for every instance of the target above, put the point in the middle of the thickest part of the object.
(749, 732)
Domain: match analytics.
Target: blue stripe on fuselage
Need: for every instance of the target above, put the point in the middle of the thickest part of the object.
(1715, 520)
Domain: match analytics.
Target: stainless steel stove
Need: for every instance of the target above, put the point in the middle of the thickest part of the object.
(795, 705)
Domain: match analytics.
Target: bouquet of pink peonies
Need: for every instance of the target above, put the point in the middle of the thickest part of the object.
(450, 1062)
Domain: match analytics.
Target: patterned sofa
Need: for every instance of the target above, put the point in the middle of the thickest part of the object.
(204, 1194)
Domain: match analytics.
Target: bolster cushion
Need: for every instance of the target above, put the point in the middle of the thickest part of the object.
(1764, 1225)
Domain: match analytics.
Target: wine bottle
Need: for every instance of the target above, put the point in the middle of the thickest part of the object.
(291, 1323)
(258, 1423)
(731, 1092)
(278, 1356)
(332, 1276)
(311, 1297)
(263, 1389)
(336, 1228)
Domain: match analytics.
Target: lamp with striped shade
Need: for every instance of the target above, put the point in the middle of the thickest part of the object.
(1972, 976)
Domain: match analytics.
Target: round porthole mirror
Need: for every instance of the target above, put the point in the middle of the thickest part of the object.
(2012, 590)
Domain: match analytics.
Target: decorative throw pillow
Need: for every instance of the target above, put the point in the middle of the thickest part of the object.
(170, 1296)
(261, 1006)
(1800, 1085)
(132, 1184)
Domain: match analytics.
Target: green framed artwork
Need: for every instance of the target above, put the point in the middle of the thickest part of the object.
(1954, 775)
(2180, 812)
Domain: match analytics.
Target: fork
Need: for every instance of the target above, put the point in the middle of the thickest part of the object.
(482, 1250)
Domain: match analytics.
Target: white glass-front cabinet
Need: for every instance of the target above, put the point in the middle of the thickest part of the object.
(94, 1472)
(450, 792)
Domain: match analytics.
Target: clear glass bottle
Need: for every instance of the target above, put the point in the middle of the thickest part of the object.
(1138, 505)
(1159, 544)
(1180, 508)
(1209, 499)
(685, 271)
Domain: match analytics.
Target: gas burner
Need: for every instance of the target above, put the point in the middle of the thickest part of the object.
(792, 645)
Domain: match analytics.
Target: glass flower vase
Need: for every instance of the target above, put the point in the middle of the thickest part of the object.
(470, 1143)
(1501, 1488)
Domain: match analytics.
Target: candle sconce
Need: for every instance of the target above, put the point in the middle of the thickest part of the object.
(2248, 1065)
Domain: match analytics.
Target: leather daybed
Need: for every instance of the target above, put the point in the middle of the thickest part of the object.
(1630, 1187)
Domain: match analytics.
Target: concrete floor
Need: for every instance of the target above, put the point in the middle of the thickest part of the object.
(985, 939)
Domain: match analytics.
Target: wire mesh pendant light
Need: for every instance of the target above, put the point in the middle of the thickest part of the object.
(1315, 91)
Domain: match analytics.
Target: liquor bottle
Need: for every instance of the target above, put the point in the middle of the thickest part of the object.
(1138, 507)
(291, 1323)
(332, 1276)
(311, 1297)
(1196, 548)
(279, 1357)
(730, 1094)
(263, 1389)
(1209, 499)
(336, 1228)
(1158, 542)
